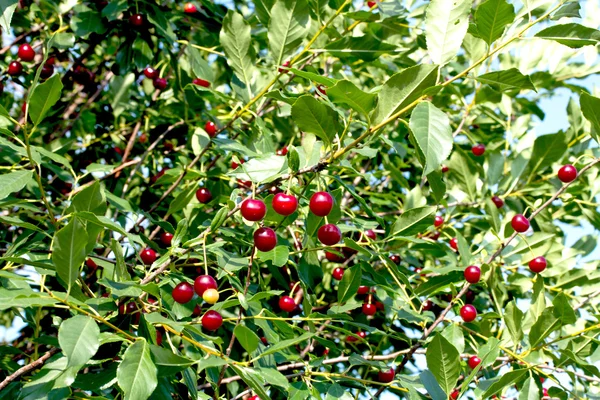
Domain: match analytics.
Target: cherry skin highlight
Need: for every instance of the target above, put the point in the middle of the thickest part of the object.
(438, 221)
(474, 361)
(478, 150)
(203, 195)
(166, 238)
(369, 309)
(26, 52)
(210, 128)
(338, 273)
(148, 256)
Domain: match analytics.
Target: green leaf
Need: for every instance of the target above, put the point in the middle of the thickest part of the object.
(246, 337)
(252, 379)
(279, 255)
(314, 116)
(79, 338)
(437, 283)
(284, 344)
(137, 374)
(513, 318)
(446, 24)
(90, 199)
(547, 150)
(505, 380)
(488, 353)
(492, 17)
(529, 391)
(167, 362)
(86, 21)
(510, 79)
(263, 10)
(200, 67)
(14, 181)
(402, 89)
(349, 284)
(465, 171)
(293, 159)
(8, 8)
(44, 96)
(365, 48)
(563, 310)
(572, 35)
(288, 26)
(69, 251)
(453, 333)
(261, 169)
(235, 39)
(413, 221)
(590, 107)
(345, 92)
(311, 76)
(443, 360)
(544, 326)
(569, 10)
(431, 130)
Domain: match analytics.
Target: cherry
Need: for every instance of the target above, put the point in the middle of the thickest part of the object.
(519, 223)
(204, 282)
(212, 320)
(338, 273)
(282, 152)
(369, 309)
(166, 238)
(321, 204)
(371, 234)
(265, 239)
(287, 304)
(435, 235)
(190, 8)
(538, 264)
(211, 296)
(128, 308)
(234, 165)
(26, 52)
(545, 392)
(284, 204)
(333, 257)
(151, 73)
(158, 337)
(379, 305)
(371, 4)
(284, 66)
(469, 297)
(253, 210)
(91, 264)
(255, 397)
(362, 290)
(454, 244)
(445, 169)
(478, 149)
(454, 394)
(427, 305)
(155, 177)
(329, 234)
(322, 89)
(197, 311)
(246, 184)
(396, 259)
(353, 339)
(264, 340)
(201, 82)
(294, 287)
(160, 83)
(210, 128)
(136, 20)
(47, 71)
(498, 202)
(567, 173)
(438, 221)
(386, 376)
(15, 68)
(474, 361)
(468, 313)
(472, 274)
(183, 292)
(203, 195)
(148, 256)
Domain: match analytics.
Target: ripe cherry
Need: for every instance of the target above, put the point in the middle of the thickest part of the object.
(333, 257)
(445, 169)
(47, 71)
(160, 83)
(211, 296)
(148, 256)
(212, 320)
(454, 394)
(468, 313)
(253, 209)
(567, 173)
(474, 361)
(128, 308)
(538, 264)
(427, 305)
(369, 309)
(284, 204)
(386, 376)
(287, 304)
(353, 339)
(284, 66)
(362, 290)
(264, 340)
(371, 4)
(265, 239)
(396, 259)
(338, 273)
(498, 202)
(197, 311)
(329, 234)
(234, 165)
(158, 337)
(379, 305)
(472, 274)
(370, 233)
(203, 283)
(166, 238)
(282, 152)
(519, 223)
(210, 128)
(435, 235)
(26, 52)
(91, 264)
(136, 20)
(322, 89)
(15, 68)
(321, 204)
(201, 82)
(478, 150)
(190, 8)
(203, 195)
(454, 244)
(438, 221)
(183, 292)
(545, 392)
(255, 397)
(151, 73)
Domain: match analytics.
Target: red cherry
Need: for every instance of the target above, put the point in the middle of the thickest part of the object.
(190, 8)
(386, 376)
(285, 65)
(468, 313)
(151, 73)
(333, 257)
(158, 337)
(371, 234)
(26, 52)
(136, 20)
(148, 256)
(474, 361)
(204, 282)
(353, 339)
(396, 259)
(203, 195)
(538, 264)
(91, 264)
(127, 308)
(160, 83)
(47, 71)
(246, 184)
(322, 89)
(445, 168)
(369, 309)
(166, 238)
(294, 287)
(472, 274)
(287, 304)
(519, 223)
(234, 165)
(362, 334)
(282, 152)
(15, 68)
(212, 320)
(438, 221)
(255, 397)
(498, 202)
(182, 293)
(379, 305)
(427, 305)
(338, 273)
(265, 239)
(197, 311)
(321, 204)
(201, 82)
(545, 392)
(435, 235)
(253, 210)
(155, 177)
(454, 394)
(284, 204)
(362, 290)
(264, 340)
(454, 244)
(478, 150)
(329, 234)
(210, 128)
(567, 173)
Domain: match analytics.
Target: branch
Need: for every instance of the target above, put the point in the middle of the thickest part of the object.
(28, 368)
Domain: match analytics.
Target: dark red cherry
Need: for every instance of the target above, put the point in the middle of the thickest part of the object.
(438, 221)
(386, 376)
(474, 361)
(15, 68)
(287, 304)
(321, 204)
(396, 259)
(183, 292)
(369, 309)
(333, 257)
(203, 195)
(204, 282)
(427, 305)
(478, 150)
(166, 238)
(322, 89)
(265, 239)
(445, 168)
(371, 4)
(136, 20)
(329, 234)
(282, 152)
(148, 256)
(26, 52)
(338, 273)
(362, 290)
(498, 202)
(472, 274)
(370, 233)
(151, 73)
(91, 264)
(454, 394)
(284, 204)
(468, 313)
(567, 173)
(454, 244)
(197, 311)
(519, 223)
(160, 83)
(538, 264)
(284, 67)
(47, 71)
(201, 82)
(253, 209)
(212, 320)
(210, 128)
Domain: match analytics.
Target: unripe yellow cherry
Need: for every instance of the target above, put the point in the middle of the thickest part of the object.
(211, 296)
